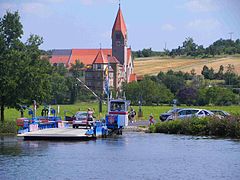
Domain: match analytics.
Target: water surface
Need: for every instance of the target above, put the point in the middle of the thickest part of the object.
(131, 156)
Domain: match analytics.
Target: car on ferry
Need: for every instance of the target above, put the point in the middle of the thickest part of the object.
(81, 120)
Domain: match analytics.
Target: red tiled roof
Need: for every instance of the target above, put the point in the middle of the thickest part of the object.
(100, 58)
(133, 78)
(59, 59)
(87, 56)
(119, 24)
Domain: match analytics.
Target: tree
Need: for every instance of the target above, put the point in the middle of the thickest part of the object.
(10, 34)
(193, 72)
(23, 75)
(202, 99)
(76, 69)
(230, 77)
(208, 73)
(220, 73)
(149, 91)
(211, 50)
(173, 82)
(147, 52)
(220, 96)
(60, 69)
(187, 95)
(189, 47)
(59, 89)
(77, 91)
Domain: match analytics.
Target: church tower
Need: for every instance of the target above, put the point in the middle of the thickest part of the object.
(119, 39)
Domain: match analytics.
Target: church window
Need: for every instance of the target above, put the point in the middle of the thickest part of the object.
(118, 36)
(99, 66)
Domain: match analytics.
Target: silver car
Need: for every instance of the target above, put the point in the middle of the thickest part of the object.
(190, 113)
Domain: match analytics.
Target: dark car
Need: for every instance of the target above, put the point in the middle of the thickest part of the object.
(168, 115)
(220, 113)
(81, 120)
(69, 117)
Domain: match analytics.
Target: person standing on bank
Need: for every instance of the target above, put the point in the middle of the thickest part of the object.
(132, 114)
(151, 120)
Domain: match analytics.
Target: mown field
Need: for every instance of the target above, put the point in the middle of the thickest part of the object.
(153, 65)
(12, 114)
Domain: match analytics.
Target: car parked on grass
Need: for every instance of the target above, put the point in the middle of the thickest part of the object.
(190, 113)
(81, 120)
(169, 115)
(220, 113)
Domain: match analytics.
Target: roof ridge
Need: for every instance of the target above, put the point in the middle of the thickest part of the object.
(100, 58)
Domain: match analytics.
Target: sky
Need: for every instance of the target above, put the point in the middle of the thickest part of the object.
(66, 24)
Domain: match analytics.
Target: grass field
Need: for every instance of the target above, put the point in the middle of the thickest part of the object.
(12, 114)
(153, 65)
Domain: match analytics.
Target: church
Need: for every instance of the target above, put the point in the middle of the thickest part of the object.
(117, 61)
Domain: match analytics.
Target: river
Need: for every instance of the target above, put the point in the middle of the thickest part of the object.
(131, 156)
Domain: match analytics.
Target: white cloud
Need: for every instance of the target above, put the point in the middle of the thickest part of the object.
(204, 24)
(200, 5)
(168, 27)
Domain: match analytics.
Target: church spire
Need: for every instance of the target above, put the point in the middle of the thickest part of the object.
(119, 24)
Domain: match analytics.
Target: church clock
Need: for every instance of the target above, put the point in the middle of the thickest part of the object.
(118, 43)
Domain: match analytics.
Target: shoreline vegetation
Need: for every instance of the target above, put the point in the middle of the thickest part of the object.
(8, 128)
(228, 127)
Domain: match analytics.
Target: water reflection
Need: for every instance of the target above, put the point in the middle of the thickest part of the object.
(131, 156)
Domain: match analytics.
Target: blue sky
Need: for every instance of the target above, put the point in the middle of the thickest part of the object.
(151, 23)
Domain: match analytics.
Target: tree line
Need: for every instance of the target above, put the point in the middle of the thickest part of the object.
(191, 49)
(187, 88)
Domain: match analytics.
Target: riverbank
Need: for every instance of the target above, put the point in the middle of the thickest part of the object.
(12, 114)
(228, 127)
(8, 128)
(210, 126)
